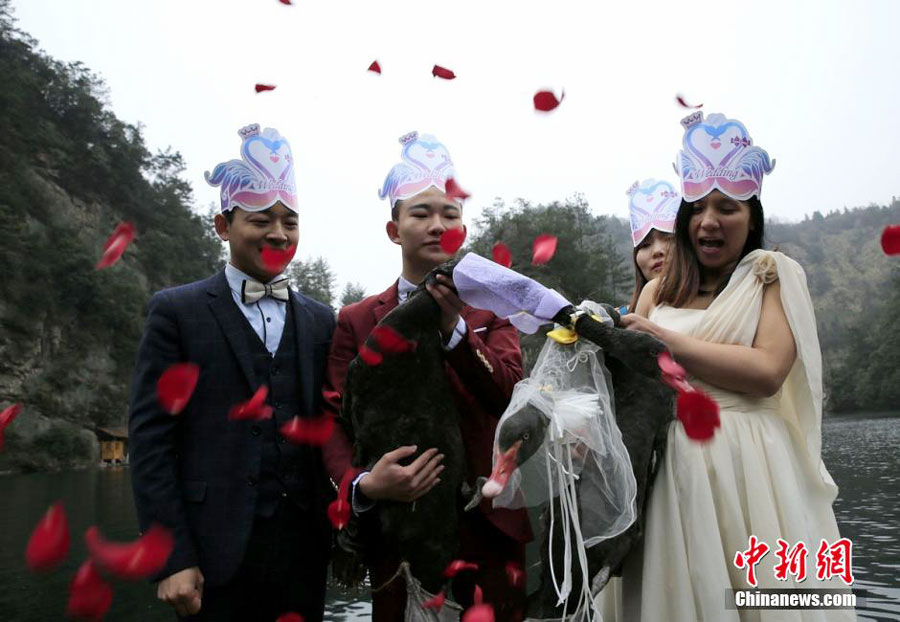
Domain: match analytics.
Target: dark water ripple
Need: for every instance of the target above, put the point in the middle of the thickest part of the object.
(861, 454)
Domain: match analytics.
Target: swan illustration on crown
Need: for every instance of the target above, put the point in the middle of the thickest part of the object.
(426, 162)
(719, 153)
(652, 204)
(264, 175)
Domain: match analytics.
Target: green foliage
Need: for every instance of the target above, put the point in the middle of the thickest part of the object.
(353, 292)
(314, 278)
(587, 263)
(69, 172)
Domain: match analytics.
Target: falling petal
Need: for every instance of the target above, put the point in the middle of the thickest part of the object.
(545, 101)
(288, 2)
(134, 560)
(452, 239)
(502, 255)
(49, 542)
(375, 67)
(457, 566)
(543, 249)
(176, 385)
(369, 356)
(389, 341)
(254, 409)
(435, 602)
(121, 237)
(890, 240)
(277, 259)
(683, 103)
(308, 430)
(264, 87)
(515, 575)
(477, 595)
(6, 417)
(89, 595)
(453, 191)
(442, 72)
(479, 613)
(290, 617)
(339, 513)
(698, 413)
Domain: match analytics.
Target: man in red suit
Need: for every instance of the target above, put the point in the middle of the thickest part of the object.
(483, 364)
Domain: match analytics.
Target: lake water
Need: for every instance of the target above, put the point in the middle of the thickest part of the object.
(861, 453)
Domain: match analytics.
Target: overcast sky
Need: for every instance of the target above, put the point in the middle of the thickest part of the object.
(816, 83)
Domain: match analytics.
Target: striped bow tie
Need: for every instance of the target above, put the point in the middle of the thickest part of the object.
(251, 291)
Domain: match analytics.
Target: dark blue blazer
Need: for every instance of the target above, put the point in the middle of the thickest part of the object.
(195, 472)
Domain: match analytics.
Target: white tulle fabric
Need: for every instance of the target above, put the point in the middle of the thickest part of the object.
(761, 474)
(570, 387)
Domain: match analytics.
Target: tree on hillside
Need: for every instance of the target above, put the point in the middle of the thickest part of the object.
(353, 292)
(313, 278)
(586, 265)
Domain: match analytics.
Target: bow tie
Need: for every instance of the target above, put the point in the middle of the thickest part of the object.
(251, 291)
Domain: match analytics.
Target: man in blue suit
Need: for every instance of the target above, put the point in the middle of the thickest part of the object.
(246, 508)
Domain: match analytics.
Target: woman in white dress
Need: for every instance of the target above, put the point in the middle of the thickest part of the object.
(740, 320)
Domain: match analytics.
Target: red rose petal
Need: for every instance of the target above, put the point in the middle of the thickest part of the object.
(6, 417)
(277, 259)
(477, 595)
(442, 72)
(49, 542)
(452, 239)
(389, 341)
(435, 602)
(121, 237)
(478, 613)
(699, 414)
(264, 87)
(254, 409)
(683, 103)
(89, 595)
(543, 249)
(288, 2)
(290, 617)
(673, 374)
(370, 356)
(890, 240)
(175, 387)
(502, 255)
(375, 67)
(515, 575)
(339, 513)
(453, 191)
(457, 566)
(545, 101)
(308, 430)
(135, 560)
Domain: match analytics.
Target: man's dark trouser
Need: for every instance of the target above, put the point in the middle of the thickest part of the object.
(284, 569)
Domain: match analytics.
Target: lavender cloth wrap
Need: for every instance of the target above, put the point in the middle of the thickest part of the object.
(486, 285)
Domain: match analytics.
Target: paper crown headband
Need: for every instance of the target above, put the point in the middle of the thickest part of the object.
(718, 153)
(425, 163)
(264, 176)
(652, 204)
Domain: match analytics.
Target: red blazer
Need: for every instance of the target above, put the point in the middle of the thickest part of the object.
(483, 369)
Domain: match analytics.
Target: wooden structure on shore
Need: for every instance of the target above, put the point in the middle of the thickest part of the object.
(113, 445)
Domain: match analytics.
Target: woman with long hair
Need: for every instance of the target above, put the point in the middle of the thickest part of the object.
(740, 320)
(652, 206)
